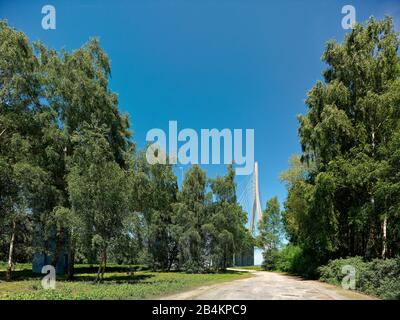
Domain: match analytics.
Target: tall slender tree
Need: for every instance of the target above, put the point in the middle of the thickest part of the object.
(347, 204)
(98, 190)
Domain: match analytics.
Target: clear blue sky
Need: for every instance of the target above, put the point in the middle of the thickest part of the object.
(207, 63)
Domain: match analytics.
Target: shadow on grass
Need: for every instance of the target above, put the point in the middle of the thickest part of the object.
(110, 268)
(114, 274)
(127, 279)
(83, 274)
(22, 274)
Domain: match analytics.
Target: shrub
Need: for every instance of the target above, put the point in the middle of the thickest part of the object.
(377, 277)
(270, 258)
(288, 258)
(291, 259)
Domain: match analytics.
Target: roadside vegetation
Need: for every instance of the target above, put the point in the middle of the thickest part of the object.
(256, 268)
(343, 198)
(377, 277)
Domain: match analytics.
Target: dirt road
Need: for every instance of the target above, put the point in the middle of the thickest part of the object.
(269, 286)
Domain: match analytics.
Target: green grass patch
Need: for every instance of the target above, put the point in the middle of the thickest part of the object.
(256, 268)
(117, 284)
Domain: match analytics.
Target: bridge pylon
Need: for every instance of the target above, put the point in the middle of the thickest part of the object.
(256, 211)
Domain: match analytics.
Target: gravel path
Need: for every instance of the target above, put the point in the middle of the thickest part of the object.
(269, 286)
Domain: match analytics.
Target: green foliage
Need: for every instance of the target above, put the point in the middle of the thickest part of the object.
(288, 259)
(163, 242)
(377, 277)
(291, 259)
(127, 247)
(46, 99)
(343, 192)
(271, 234)
(270, 259)
(98, 190)
(270, 226)
(26, 186)
(70, 177)
(210, 226)
(119, 283)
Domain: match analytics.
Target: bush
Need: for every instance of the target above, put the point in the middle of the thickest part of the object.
(291, 259)
(288, 258)
(377, 277)
(270, 258)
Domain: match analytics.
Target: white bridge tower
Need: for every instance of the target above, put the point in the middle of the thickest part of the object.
(256, 211)
(249, 199)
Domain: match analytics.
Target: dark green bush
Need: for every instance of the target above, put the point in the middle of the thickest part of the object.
(291, 259)
(377, 277)
(270, 258)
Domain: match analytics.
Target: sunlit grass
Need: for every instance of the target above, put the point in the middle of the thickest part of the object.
(117, 284)
(256, 268)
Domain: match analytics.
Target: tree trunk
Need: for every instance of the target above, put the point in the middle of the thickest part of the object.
(102, 266)
(59, 243)
(373, 141)
(71, 260)
(104, 263)
(99, 270)
(384, 237)
(172, 257)
(11, 251)
(369, 234)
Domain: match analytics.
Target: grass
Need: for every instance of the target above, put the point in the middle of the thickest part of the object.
(117, 284)
(256, 268)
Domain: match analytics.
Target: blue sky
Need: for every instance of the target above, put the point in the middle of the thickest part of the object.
(207, 63)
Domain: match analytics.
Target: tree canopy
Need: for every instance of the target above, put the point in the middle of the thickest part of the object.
(70, 175)
(343, 191)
